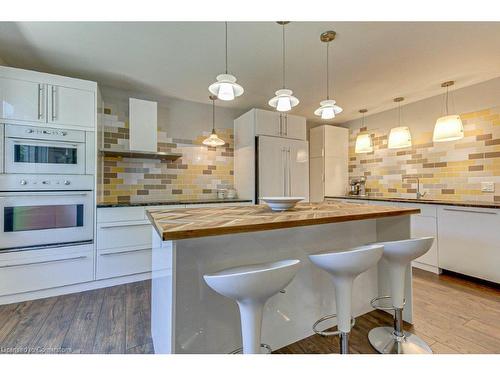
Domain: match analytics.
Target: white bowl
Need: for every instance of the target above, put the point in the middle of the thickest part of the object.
(281, 203)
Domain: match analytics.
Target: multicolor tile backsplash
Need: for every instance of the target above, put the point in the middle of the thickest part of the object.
(448, 170)
(196, 175)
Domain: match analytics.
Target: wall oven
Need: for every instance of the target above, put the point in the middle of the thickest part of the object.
(37, 150)
(42, 211)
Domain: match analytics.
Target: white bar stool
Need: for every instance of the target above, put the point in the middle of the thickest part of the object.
(393, 340)
(251, 286)
(344, 266)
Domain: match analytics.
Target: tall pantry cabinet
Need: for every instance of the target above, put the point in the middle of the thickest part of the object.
(328, 161)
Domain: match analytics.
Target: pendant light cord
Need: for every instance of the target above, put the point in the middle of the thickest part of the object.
(399, 114)
(284, 57)
(327, 72)
(226, 45)
(213, 114)
(447, 101)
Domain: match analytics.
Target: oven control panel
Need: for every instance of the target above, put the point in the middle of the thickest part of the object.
(13, 182)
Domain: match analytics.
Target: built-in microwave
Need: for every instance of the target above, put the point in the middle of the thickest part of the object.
(37, 150)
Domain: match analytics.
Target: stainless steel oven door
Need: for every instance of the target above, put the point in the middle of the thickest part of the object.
(41, 156)
(44, 218)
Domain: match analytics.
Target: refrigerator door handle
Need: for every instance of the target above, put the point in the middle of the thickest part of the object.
(283, 162)
(289, 173)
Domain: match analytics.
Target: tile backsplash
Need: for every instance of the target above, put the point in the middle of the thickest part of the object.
(196, 175)
(448, 170)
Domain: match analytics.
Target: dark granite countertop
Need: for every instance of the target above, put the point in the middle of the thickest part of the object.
(423, 201)
(171, 202)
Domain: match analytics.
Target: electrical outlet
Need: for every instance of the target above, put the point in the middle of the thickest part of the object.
(487, 187)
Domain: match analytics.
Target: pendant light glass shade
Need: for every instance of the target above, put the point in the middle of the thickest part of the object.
(213, 140)
(364, 144)
(328, 109)
(226, 87)
(399, 137)
(449, 127)
(284, 100)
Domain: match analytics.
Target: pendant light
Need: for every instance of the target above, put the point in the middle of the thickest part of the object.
(213, 140)
(226, 87)
(449, 127)
(284, 99)
(364, 142)
(400, 136)
(328, 109)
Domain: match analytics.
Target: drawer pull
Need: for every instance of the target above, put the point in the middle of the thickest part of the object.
(472, 211)
(44, 262)
(122, 226)
(124, 252)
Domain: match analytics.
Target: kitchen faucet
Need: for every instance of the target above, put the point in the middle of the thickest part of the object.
(419, 194)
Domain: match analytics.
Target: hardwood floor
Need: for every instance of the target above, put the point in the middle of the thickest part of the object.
(452, 314)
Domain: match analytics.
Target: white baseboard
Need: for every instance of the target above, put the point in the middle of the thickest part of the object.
(76, 288)
(426, 267)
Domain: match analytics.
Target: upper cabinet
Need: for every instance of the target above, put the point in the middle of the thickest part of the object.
(34, 97)
(69, 106)
(22, 100)
(279, 124)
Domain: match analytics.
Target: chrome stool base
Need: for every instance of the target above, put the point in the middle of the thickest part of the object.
(385, 341)
(343, 336)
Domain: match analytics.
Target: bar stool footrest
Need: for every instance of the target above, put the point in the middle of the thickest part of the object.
(374, 301)
(329, 333)
(265, 346)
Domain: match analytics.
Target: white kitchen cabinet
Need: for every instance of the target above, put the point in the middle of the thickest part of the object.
(278, 124)
(70, 106)
(46, 99)
(469, 241)
(22, 100)
(329, 161)
(33, 270)
(294, 127)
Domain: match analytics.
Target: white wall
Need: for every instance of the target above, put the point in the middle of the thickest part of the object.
(421, 116)
(181, 119)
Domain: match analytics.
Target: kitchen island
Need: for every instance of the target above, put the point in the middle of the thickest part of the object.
(188, 317)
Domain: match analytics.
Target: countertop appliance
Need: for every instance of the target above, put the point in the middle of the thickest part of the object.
(357, 186)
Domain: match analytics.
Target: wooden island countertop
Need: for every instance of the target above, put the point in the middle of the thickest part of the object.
(178, 224)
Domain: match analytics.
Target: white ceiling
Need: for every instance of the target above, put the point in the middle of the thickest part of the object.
(372, 62)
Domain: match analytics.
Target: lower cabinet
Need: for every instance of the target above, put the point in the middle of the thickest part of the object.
(469, 241)
(33, 270)
(124, 237)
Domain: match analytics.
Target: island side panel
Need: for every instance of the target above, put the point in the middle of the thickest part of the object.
(163, 292)
(206, 322)
(393, 229)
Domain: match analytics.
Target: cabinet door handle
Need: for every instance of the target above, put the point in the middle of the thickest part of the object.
(40, 103)
(472, 211)
(124, 252)
(122, 226)
(286, 125)
(43, 262)
(54, 115)
(280, 131)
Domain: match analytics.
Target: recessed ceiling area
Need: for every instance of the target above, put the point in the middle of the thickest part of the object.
(371, 62)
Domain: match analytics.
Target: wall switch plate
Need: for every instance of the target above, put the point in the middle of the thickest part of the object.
(487, 187)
